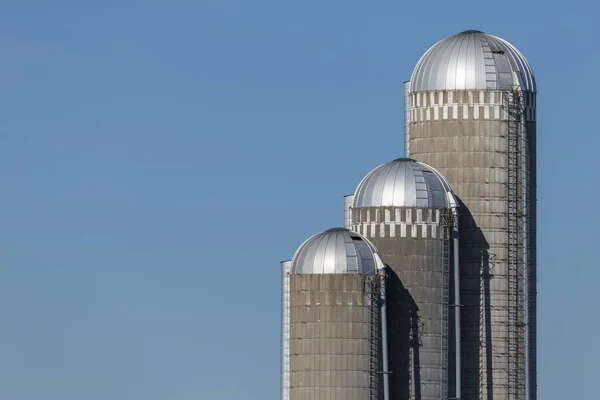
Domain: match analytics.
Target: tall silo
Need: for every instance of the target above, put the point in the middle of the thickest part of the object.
(472, 109)
(403, 207)
(332, 342)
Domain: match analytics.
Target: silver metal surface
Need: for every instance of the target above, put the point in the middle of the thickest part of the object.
(286, 267)
(472, 60)
(402, 183)
(384, 329)
(406, 119)
(348, 200)
(335, 251)
(456, 262)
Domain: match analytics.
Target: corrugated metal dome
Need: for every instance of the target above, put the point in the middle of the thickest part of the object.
(402, 183)
(472, 60)
(335, 251)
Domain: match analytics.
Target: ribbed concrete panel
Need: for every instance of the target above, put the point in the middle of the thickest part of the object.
(415, 297)
(329, 346)
(468, 146)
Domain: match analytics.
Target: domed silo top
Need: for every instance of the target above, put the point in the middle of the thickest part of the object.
(335, 251)
(402, 183)
(472, 60)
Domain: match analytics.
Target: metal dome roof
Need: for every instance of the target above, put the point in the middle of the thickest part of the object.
(472, 60)
(402, 183)
(335, 251)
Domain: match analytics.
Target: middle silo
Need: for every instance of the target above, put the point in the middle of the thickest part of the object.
(403, 208)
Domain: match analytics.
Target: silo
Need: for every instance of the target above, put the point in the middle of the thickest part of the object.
(332, 347)
(403, 207)
(348, 200)
(472, 108)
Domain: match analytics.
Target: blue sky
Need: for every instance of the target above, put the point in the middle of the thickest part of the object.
(159, 158)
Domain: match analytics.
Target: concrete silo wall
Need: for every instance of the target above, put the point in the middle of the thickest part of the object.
(409, 240)
(330, 347)
(463, 135)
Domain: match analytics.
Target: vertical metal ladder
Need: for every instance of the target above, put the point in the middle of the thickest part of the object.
(374, 335)
(446, 228)
(512, 101)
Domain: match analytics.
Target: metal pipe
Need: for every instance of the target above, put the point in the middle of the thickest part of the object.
(455, 232)
(525, 205)
(384, 342)
(348, 200)
(286, 268)
(406, 119)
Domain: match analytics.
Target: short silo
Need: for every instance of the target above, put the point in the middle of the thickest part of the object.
(331, 319)
(404, 208)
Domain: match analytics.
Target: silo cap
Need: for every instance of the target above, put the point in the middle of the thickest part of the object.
(403, 182)
(336, 251)
(472, 60)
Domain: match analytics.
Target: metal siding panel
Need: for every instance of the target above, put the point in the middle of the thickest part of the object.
(425, 72)
(390, 181)
(323, 264)
(286, 267)
(461, 65)
(359, 198)
(440, 81)
(480, 67)
(502, 64)
(406, 119)
(471, 62)
(505, 80)
(409, 187)
(304, 257)
(348, 200)
(340, 254)
(379, 183)
(451, 70)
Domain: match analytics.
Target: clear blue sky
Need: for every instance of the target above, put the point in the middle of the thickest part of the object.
(158, 159)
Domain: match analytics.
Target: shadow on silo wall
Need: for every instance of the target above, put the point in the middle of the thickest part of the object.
(403, 328)
(475, 273)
